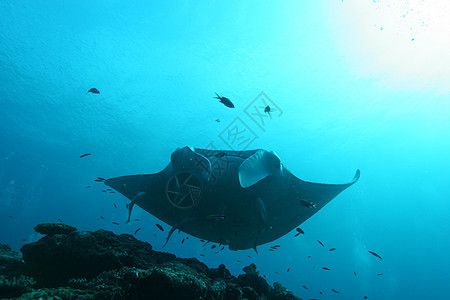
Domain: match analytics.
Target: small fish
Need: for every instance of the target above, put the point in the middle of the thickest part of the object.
(24, 240)
(307, 204)
(220, 154)
(137, 230)
(60, 220)
(288, 270)
(103, 191)
(267, 110)
(218, 120)
(187, 237)
(332, 249)
(84, 155)
(93, 91)
(98, 180)
(320, 243)
(108, 189)
(374, 254)
(379, 274)
(271, 249)
(325, 268)
(237, 260)
(297, 234)
(159, 227)
(275, 246)
(225, 101)
(11, 217)
(115, 206)
(309, 256)
(137, 220)
(102, 179)
(88, 186)
(314, 267)
(202, 254)
(276, 272)
(305, 287)
(112, 192)
(365, 297)
(354, 273)
(102, 217)
(182, 241)
(202, 241)
(299, 230)
(335, 291)
(115, 223)
(223, 247)
(264, 276)
(213, 246)
(216, 217)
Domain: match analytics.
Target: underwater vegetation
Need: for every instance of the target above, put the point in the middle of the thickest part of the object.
(71, 264)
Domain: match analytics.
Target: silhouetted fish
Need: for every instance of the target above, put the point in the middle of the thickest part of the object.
(267, 110)
(325, 268)
(84, 155)
(11, 217)
(60, 220)
(332, 249)
(137, 219)
(202, 254)
(218, 120)
(288, 270)
(379, 274)
(305, 287)
(93, 91)
(354, 273)
(276, 272)
(335, 291)
(297, 234)
(309, 256)
(299, 230)
(101, 178)
(88, 186)
(182, 241)
(213, 246)
(225, 101)
(307, 204)
(159, 227)
(320, 243)
(365, 297)
(115, 206)
(101, 217)
(137, 230)
(115, 223)
(374, 254)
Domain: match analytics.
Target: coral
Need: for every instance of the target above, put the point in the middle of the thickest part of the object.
(54, 228)
(15, 286)
(102, 265)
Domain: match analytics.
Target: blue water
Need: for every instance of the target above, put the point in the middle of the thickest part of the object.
(348, 91)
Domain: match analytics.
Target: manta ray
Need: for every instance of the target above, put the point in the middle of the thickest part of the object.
(237, 198)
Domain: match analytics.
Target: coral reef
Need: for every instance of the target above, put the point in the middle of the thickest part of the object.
(54, 228)
(102, 265)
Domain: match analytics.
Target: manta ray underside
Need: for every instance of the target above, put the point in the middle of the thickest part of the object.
(237, 198)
